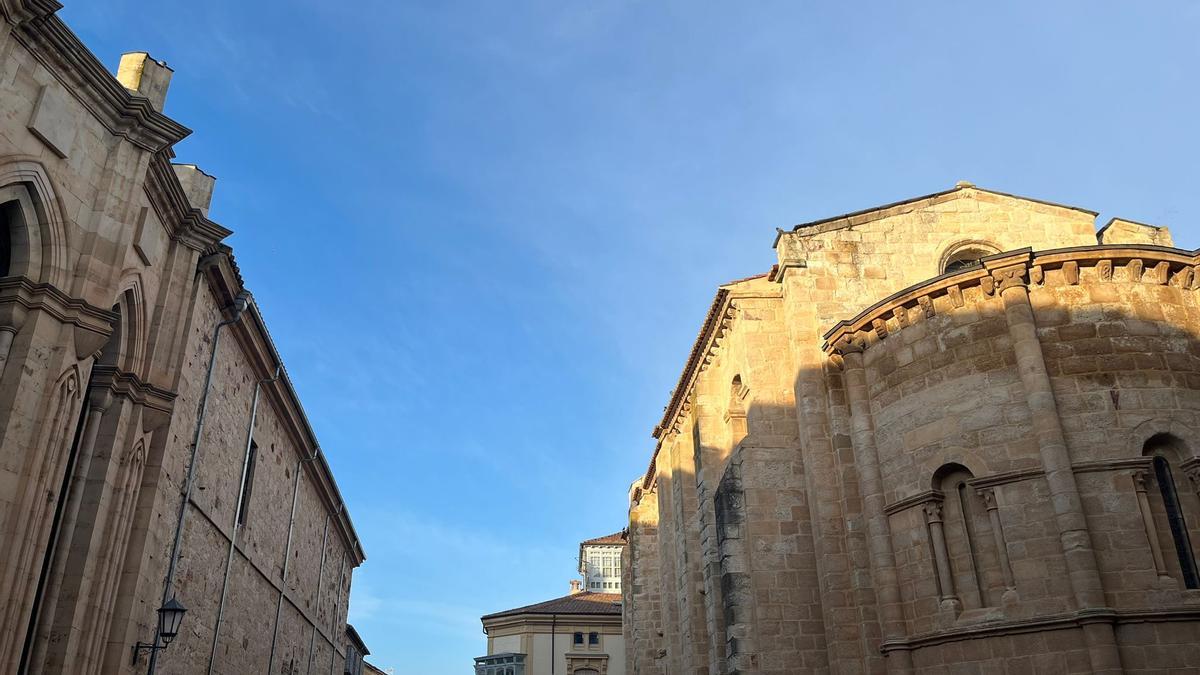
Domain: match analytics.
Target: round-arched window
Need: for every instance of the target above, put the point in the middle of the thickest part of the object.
(966, 256)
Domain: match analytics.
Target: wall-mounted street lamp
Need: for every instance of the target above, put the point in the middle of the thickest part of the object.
(170, 615)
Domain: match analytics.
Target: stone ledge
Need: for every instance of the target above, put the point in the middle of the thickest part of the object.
(1039, 624)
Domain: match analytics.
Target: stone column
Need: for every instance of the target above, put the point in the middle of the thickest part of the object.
(70, 540)
(1191, 468)
(7, 333)
(1139, 477)
(883, 557)
(1082, 569)
(948, 597)
(988, 495)
(12, 317)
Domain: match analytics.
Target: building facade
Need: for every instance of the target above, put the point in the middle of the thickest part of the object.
(577, 634)
(152, 447)
(600, 563)
(952, 434)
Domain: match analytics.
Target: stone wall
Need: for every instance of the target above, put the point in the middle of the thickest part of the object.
(107, 310)
(917, 471)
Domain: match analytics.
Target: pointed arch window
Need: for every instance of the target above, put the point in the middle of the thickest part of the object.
(5, 240)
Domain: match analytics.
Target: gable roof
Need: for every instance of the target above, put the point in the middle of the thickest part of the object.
(865, 215)
(614, 539)
(576, 603)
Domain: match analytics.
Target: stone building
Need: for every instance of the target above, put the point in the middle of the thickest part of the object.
(953, 434)
(151, 445)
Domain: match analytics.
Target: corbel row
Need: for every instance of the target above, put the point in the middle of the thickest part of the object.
(1002, 272)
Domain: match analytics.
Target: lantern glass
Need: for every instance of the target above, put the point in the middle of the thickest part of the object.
(170, 615)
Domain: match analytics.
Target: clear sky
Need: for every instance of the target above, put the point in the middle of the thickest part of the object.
(485, 234)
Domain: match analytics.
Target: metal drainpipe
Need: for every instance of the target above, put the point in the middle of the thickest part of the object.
(237, 526)
(553, 625)
(320, 581)
(337, 611)
(287, 556)
(240, 303)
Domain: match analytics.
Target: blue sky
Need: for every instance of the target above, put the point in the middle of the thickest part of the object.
(485, 234)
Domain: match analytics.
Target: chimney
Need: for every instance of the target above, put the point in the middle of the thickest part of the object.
(197, 185)
(143, 76)
(576, 586)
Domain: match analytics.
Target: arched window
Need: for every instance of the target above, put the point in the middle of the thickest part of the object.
(970, 548)
(1171, 508)
(19, 240)
(965, 255)
(964, 259)
(735, 413)
(5, 240)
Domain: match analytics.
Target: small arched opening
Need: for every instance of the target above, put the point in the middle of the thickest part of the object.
(965, 255)
(974, 563)
(1173, 508)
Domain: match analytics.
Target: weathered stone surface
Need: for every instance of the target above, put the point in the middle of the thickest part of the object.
(900, 470)
(107, 316)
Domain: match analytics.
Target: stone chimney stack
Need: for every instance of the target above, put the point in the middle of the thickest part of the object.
(197, 185)
(142, 75)
(576, 586)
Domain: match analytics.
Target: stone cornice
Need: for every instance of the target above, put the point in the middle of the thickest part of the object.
(542, 623)
(984, 482)
(157, 403)
(184, 223)
(1141, 264)
(19, 295)
(17, 12)
(62, 53)
(914, 500)
(718, 321)
(1104, 465)
(1039, 624)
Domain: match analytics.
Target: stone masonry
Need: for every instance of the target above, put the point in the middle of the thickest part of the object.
(113, 282)
(955, 434)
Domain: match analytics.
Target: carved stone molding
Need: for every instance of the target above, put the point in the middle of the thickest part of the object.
(17, 12)
(92, 325)
(912, 501)
(1010, 270)
(1010, 277)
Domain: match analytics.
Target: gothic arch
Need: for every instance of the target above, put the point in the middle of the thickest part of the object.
(127, 347)
(37, 228)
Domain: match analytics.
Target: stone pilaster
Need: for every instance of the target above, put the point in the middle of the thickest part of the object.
(883, 557)
(1069, 517)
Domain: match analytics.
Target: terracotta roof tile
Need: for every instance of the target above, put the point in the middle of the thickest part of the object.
(576, 603)
(617, 538)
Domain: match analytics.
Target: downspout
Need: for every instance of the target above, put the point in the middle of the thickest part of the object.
(237, 511)
(312, 640)
(553, 625)
(337, 612)
(287, 556)
(240, 303)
